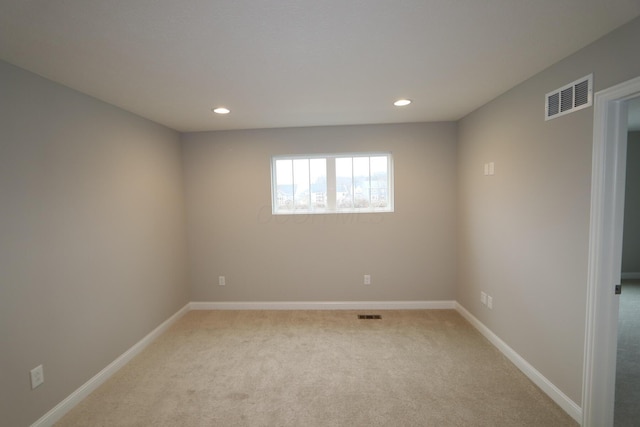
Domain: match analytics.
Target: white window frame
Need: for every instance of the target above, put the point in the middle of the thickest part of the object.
(331, 202)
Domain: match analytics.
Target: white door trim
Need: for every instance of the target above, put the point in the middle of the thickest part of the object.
(605, 251)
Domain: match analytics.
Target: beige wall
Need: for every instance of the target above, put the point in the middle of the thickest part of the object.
(631, 245)
(92, 243)
(523, 233)
(410, 253)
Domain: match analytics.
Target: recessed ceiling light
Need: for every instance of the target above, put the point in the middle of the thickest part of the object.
(402, 102)
(221, 110)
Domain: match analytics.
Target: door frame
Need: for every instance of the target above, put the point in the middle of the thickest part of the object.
(605, 251)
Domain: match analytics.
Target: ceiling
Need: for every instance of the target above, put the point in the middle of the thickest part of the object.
(284, 63)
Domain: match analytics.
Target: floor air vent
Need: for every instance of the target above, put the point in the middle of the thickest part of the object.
(369, 316)
(572, 97)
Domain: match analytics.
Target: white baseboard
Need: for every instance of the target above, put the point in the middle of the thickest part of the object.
(74, 398)
(630, 275)
(326, 305)
(569, 406)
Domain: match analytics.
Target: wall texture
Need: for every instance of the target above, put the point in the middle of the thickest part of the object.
(409, 253)
(631, 244)
(92, 246)
(523, 233)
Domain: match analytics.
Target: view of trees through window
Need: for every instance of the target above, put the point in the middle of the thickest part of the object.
(332, 183)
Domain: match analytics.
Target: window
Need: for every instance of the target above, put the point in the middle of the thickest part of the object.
(330, 183)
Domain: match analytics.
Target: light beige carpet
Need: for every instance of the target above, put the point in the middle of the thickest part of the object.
(319, 368)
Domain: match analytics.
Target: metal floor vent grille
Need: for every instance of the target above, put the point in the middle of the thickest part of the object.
(569, 98)
(369, 316)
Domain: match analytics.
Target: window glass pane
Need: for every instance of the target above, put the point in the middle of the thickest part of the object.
(358, 183)
(284, 184)
(361, 182)
(344, 182)
(318, 175)
(379, 182)
(301, 183)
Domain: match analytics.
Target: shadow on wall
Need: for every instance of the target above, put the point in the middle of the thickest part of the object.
(265, 216)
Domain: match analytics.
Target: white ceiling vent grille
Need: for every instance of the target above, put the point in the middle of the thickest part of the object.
(572, 97)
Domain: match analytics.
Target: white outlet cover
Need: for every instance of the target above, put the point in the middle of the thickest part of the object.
(37, 376)
(367, 279)
(221, 281)
(490, 302)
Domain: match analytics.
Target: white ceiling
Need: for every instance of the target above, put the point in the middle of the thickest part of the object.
(281, 63)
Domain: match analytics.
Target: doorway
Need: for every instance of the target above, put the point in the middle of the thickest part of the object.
(605, 251)
(627, 394)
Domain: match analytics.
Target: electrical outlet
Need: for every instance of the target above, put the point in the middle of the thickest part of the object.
(221, 281)
(490, 302)
(367, 279)
(483, 298)
(37, 376)
(490, 168)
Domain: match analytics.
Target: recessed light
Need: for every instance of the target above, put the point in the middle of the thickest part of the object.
(221, 110)
(402, 102)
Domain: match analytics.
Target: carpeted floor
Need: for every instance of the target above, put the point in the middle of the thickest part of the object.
(627, 408)
(319, 368)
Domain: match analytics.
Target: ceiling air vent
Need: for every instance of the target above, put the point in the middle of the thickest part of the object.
(572, 97)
